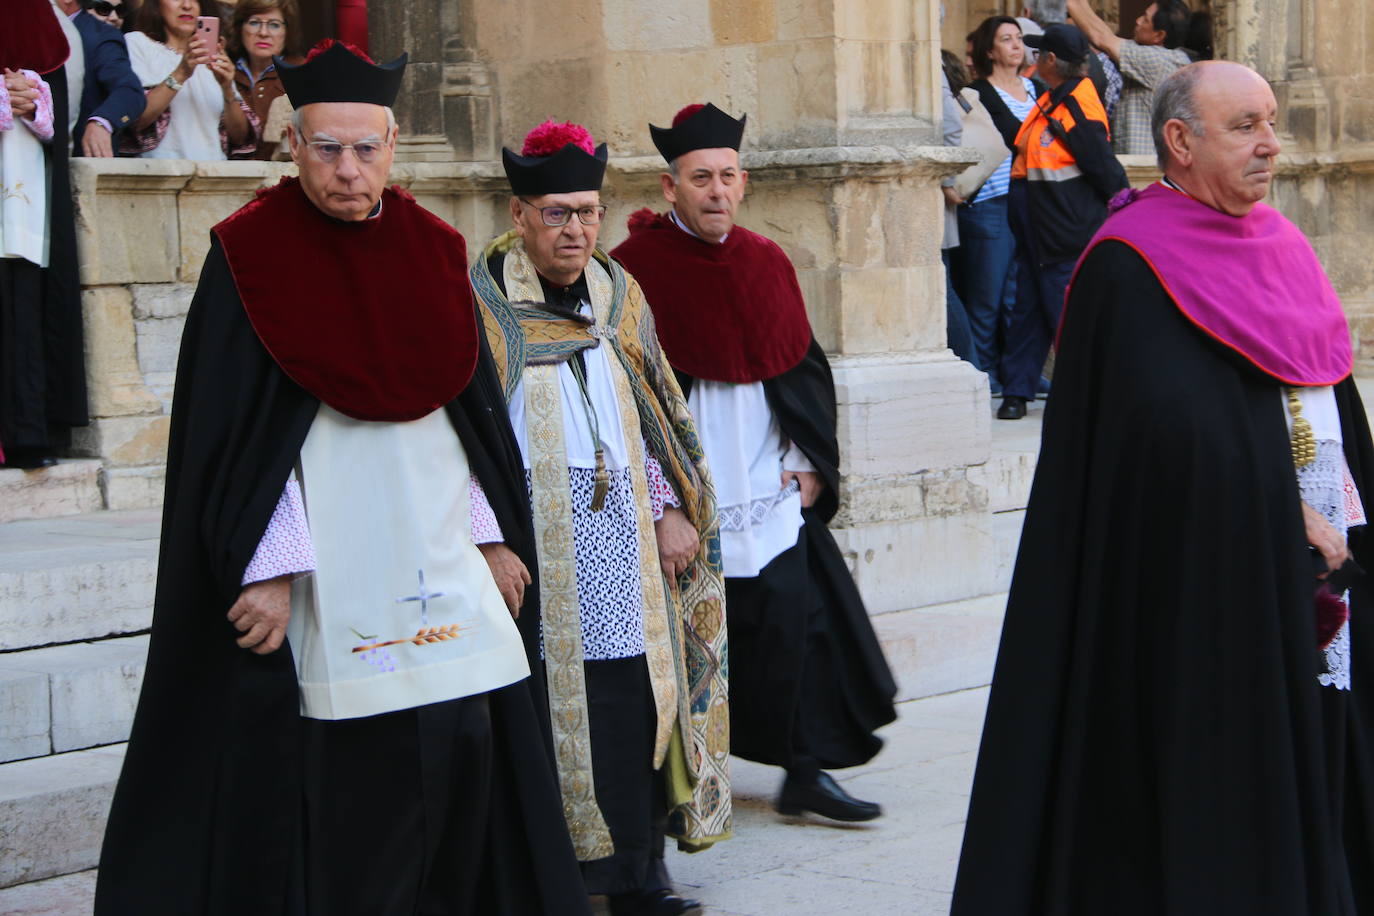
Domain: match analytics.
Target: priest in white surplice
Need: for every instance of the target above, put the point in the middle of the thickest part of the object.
(809, 685)
(337, 715)
(631, 595)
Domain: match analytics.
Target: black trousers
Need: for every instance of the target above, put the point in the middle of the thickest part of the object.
(772, 617)
(629, 791)
(396, 811)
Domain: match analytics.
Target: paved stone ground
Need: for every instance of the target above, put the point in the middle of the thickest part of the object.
(902, 863)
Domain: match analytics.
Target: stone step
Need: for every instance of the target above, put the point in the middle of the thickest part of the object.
(66, 488)
(77, 578)
(942, 647)
(66, 698)
(53, 811)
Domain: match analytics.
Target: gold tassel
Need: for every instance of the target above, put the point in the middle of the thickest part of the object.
(1303, 443)
(603, 482)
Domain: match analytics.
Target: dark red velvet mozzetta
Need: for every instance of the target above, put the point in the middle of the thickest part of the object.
(31, 37)
(374, 318)
(731, 312)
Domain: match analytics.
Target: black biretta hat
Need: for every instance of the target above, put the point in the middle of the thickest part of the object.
(555, 161)
(698, 127)
(335, 73)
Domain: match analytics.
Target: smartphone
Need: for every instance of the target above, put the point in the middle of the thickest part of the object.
(207, 29)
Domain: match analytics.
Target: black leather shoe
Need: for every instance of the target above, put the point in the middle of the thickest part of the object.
(824, 796)
(1013, 408)
(654, 903)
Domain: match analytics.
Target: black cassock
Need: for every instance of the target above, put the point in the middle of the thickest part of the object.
(208, 814)
(1156, 739)
(845, 689)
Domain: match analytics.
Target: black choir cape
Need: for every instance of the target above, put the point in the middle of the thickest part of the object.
(208, 807)
(42, 352)
(1156, 739)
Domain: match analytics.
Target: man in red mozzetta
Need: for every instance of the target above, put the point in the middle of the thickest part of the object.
(337, 715)
(808, 682)
(1179, 719)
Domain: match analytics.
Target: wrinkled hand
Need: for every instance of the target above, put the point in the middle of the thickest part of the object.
(261, 614)
(810, 483)
(1323, 536)
(510, 574)
(23, 94)
(95, 142)
(951, 196)
(677, 542)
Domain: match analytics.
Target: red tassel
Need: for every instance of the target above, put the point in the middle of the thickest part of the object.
(1332, 613)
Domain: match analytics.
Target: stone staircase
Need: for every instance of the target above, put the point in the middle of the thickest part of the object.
(75, 582)
(76, 592)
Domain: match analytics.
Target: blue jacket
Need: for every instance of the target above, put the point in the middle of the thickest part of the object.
(111, 90)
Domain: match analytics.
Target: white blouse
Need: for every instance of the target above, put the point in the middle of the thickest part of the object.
(193, 130)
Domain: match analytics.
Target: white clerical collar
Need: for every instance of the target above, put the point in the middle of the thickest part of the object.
(1170, 183)
(683, 226)
(375, 211)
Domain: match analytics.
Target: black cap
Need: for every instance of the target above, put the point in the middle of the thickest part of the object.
(698, 127)
(335, 73)
(555, 160)
(1064, 41)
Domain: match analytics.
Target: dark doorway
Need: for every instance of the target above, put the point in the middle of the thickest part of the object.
(317, 20)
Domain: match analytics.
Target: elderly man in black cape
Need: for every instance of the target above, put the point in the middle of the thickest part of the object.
(1179, 718)
(337, 715)
(809, 684)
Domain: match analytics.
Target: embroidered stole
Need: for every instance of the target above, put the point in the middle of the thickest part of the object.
(684, 623)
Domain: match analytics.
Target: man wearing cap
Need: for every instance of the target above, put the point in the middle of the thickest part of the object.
(336, 716)
(809, 684)
(1179, 719)
(1062, 175)
(631, 595)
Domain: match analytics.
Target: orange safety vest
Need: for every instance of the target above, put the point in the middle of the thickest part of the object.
(1039, 155)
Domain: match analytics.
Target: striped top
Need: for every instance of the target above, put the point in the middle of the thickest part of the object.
(999, 181)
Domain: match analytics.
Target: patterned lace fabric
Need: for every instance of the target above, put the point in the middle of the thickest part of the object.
(1325, 486)
(744, 516)
(286, 547)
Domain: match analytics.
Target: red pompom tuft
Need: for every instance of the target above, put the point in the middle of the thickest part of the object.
(550, 137)
(402, 192)
(642, 218)
(686, 113)
(328, 43)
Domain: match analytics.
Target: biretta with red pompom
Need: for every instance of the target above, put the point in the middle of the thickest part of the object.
(698, 127)
(555, 159)
(338, 72)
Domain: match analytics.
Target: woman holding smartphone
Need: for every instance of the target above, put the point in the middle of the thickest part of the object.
(194, 111)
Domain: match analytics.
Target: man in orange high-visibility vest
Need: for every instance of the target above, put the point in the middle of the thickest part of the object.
(1061, 179)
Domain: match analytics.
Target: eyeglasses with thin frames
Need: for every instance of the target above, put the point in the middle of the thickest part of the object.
(561, 216)
(330, 150)
(268, 25)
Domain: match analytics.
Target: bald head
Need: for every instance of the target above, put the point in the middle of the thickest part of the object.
(1214, 134)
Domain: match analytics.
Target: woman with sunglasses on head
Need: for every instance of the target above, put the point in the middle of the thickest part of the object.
(194, 110)
(259, 31)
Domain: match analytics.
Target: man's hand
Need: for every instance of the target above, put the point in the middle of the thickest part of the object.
(951, 196)
(95, 142)
(261, 614)
(1323, 536)
(677, 542)
(510, 574)
(810, 483)
(1100, 35)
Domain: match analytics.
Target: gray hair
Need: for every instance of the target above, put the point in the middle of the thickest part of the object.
(1047, 12)
(1068, 69)
(1175, 100)
(298, 120)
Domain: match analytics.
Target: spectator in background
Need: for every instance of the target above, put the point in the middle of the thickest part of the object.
(1145, 61)
(42, 371)
(109, 13)
(1104, 74)
(260, 30)
(985, 235)
(1062, 177)
(111, 95)
(958, 336)
(193, 109)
